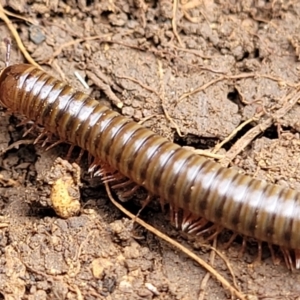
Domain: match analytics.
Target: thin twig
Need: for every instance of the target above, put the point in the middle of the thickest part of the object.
(16, 145)
(162, 98)
(233, 133)
(208, 154)
(148, 88)
(290, 100)
(238, 76)
(226, 261)
(106, 89)
(164, 237)
(174, 24)
(28, 20)
(15, 34)
(207, 275)
(72, 43)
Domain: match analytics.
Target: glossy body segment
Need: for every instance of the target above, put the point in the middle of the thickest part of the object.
(245, 205)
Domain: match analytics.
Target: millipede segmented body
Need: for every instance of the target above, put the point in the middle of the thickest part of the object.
(180, 177)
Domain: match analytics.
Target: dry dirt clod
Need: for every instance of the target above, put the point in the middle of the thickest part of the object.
(100, 266)
(65, 181)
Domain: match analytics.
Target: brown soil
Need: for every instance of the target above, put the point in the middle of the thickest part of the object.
(194, 83)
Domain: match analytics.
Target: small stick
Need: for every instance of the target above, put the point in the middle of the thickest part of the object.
(7, 41)
(174, 24)
(81, 80)
(233, 133)
(17, 38)
(106, 89)
(207, 275)
(245, 140)
(164, 237)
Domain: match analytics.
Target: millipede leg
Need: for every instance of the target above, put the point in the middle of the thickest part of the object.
(197, 225)
(209, 229)
(215, 234)
(232, 238)
(287, 258)
(47, 140)
(30, 129)
(187, 220)
(52, 145)
(242, 251)
(105, 170)
(78, 159)
(145, 203)
(259, 254)
(40, 136)
(162, 203)
(90, 158)
(174, 216)
(71, 148)
(95, 164)
(122, 184)
(112, 178)
(23, 122)
(275, 259)
(123, 196)
(297, 258)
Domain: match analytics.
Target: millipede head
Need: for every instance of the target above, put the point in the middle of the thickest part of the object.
(9, 78)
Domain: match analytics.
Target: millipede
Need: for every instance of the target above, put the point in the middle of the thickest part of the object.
(201, 188)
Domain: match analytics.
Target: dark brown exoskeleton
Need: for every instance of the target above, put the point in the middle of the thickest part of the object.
(185, 180)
